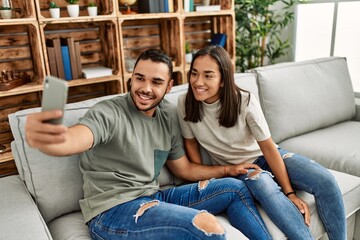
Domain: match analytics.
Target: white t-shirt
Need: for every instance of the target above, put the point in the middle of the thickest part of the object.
(234, 145)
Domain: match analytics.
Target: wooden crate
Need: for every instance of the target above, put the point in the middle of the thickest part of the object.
(22, 9)
(20, 51)
(8, 105)
(198, 31)
(123, 10)
(225, 4)
(140, 35)
(105, 8)
(99, 43)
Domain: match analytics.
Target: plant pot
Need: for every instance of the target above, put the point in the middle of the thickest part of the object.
(6, 14)
(73, 10)
(188, 57)
(55, 12)
(92, 11)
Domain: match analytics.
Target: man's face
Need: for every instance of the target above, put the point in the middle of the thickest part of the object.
(149, 84)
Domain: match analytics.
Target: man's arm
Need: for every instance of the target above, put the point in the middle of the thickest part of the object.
(56, 140)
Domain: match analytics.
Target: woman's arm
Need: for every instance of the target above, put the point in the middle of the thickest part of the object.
(192, 149)
(278, 168)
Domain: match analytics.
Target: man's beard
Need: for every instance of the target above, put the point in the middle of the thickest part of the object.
(154, 105)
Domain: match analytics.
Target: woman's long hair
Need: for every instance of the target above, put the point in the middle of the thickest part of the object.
(230, 96)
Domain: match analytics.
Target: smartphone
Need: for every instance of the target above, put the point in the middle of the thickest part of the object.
(55, 94)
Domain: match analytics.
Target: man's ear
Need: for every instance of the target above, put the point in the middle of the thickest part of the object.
(170, 85)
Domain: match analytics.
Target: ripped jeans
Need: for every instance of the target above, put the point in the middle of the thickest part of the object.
(178, 213)
(304, 175)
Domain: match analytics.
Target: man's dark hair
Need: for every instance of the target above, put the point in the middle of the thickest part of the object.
(156, 55)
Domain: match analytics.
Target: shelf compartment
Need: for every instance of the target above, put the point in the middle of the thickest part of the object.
(198, 32)
(89, 91)
(21, 10)
(98, 40)
(140, 35)
(105, 8)
(134, 10)
(20, 51)
(8, 105)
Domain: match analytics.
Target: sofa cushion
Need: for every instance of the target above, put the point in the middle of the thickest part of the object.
(19, 216)
(300, 97)
(336, 147)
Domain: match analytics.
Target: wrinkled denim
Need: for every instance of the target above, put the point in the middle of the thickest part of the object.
(306, 175)
(172, 213)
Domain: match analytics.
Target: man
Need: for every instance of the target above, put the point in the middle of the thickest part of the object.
(124, 142)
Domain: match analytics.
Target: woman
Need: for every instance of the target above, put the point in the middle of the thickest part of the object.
(228, 122)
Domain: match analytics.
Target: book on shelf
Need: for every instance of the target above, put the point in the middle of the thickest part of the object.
(58, 56)
(188, 5)
(78, 59)
(73, 63)
(209, 8)
(218, 39)
(149, 6)
(96, 72)
(66, 62)
(52, 60)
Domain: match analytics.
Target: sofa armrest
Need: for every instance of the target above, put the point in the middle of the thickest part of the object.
(357, 105)
(19, 215)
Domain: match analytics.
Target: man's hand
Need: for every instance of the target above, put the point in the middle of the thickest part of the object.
(39, 133)
(302, 206)
(235, 170)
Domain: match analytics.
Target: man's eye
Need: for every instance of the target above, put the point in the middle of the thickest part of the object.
(157, 83)
(208, 76)
(193, 74)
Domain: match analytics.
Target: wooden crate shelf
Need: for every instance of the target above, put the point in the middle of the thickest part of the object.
(105, 8)
(21, 51)
(139, 35)
(99, 43)
(122, 11)
(22, 10)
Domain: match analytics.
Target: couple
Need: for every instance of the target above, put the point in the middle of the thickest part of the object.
(125, 141)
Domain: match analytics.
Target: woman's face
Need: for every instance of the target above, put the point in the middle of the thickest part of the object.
(205, 79)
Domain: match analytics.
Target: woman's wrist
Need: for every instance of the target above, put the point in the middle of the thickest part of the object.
(290, 193)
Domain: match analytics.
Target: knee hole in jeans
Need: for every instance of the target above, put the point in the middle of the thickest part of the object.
(208, 223)
(254, 175)
(144, 207)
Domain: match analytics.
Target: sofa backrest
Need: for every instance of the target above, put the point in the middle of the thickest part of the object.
(56, 182)
(301, 97)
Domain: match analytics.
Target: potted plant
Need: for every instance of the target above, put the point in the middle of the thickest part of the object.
(188, 53)
(258, 40)
(5, 12)
(73, 8)
(54, 10)
(92, 9)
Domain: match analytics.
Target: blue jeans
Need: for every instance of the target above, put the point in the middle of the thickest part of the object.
(304, 175)
(170, 213)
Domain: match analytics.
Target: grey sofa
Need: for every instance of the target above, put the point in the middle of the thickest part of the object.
(310, 109)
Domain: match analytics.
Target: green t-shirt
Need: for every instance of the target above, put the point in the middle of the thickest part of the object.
(128, 153)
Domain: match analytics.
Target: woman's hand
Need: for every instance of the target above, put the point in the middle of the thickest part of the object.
(235, 170)
(302, 206)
